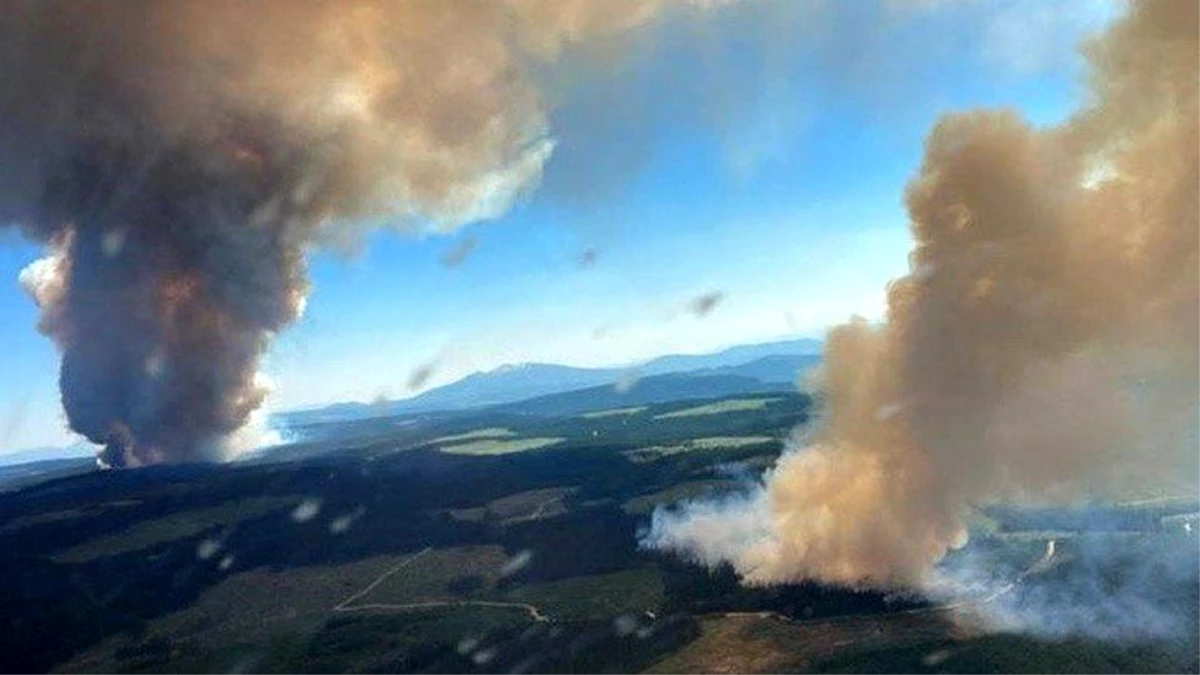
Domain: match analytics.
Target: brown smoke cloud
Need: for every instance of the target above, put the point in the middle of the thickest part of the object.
(1043, 347)
(179, 157)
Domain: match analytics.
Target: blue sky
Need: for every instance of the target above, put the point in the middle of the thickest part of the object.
(772, 172)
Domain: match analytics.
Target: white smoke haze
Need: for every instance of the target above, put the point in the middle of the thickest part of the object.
(1117, 587)
(1043, 349)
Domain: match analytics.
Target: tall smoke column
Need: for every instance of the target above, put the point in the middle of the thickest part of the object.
(179, 157)
(1043, 347)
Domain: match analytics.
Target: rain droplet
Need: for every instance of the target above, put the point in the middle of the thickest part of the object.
(466, 646)
(208, 548)
(888, 411)
(624, 625)
(421, 375)
(706, 303)
(112, 243)
(457, 255)
(153, 365)
(936, 657)
(626, 381)
(306, 510)
(343, 522)
(516, 563)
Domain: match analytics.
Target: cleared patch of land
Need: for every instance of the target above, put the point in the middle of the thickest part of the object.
(735, 405)
(614, 412)
(757, 643)
(490, 432)
(429, 586)
(519, 507)
(491, 446)
(589, 597)
(258, 608)
(531, 505)
(441, 575)
(645, 504)
(654, 452)
(470, 515)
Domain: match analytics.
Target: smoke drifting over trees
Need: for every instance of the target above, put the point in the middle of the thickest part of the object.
(1043, 346)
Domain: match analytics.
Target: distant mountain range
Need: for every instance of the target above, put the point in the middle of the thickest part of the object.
(550, 389)
(740, 369)
(649, 390)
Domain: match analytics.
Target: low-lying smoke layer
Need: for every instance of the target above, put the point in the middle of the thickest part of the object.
(1043, 347)
(179, 157)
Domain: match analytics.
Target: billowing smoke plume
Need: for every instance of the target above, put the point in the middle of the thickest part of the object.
(178, 158)
(1043, 347)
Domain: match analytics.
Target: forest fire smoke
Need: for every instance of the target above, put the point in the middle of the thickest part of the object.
(1043, 346)
(178, 158)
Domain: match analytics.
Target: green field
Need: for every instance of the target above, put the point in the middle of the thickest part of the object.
(735, 405)
(614, 412)
(489, 446)
(490, 432)
(645, 504)
(652, 453)
(592, 597)
(519, 507)
(440, 574)
(899, 645)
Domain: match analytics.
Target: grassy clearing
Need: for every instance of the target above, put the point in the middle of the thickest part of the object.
(614, 412)
(761, 644)
(178, 525)
(531, 505)
(442, 574)
(519, 507)
(645, 504)
(489, 433)
(591, 597)
(720, 407)
(471, 515)
(256, 608)
(649, 454)
(723, 442)
(727, 645)
(492, 446)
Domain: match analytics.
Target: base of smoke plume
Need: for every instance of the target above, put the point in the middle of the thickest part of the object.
(1116, 588)
(258, 434)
